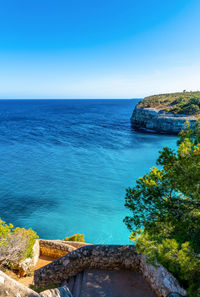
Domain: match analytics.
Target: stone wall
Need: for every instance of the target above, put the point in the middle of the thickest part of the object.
(114, 257)
(159, 278)
(152, 119)
(55, 248)
(91, 256)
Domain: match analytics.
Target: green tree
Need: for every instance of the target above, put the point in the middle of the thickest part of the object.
(164, 209)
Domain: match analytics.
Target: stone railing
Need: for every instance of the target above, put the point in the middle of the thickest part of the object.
(110, 257)
(91, 256)
(160, 279)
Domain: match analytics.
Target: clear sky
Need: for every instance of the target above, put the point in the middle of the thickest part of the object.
(98, 48)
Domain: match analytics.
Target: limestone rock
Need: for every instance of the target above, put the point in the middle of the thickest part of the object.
(159, 121)
(12, 288)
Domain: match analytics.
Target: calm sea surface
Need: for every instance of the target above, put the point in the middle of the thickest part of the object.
(65, 164)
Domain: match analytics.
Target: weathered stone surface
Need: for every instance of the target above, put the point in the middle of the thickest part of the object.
(12, 288)
(160, 279)
(55, 248)
(152, 119)
(36, 252)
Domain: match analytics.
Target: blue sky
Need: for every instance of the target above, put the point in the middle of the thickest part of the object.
(98, 49)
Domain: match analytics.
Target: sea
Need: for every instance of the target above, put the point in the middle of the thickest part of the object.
(65, 166)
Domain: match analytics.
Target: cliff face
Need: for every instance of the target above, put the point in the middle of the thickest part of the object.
(159, 121)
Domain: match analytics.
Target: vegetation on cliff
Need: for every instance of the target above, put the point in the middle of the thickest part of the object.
(16, 244)
(165, 210)
(187, 103)
(76, 237)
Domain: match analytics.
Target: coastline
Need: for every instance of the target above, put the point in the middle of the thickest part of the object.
(155, 120)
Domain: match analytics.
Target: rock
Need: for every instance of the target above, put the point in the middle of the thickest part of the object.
(159, 121)
(12, 288)
(55, 248)
(160, 279)
(58, 292)
(27, 265)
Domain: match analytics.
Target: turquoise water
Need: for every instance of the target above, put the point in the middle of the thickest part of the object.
(65, 164)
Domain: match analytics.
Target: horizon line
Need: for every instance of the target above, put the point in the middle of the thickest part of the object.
(71, 98)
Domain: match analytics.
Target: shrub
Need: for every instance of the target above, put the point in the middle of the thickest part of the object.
(15, 244)
(76, 237)
(178, 103)
(189, 109)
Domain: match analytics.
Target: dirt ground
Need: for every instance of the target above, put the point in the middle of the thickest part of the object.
(28, 280)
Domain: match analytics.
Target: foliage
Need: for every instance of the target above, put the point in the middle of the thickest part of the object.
(187, 103)
(16, 244)
(76, 237)
(40, 289)
(165, 210)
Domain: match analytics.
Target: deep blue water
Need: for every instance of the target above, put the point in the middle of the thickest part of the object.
(65, 164)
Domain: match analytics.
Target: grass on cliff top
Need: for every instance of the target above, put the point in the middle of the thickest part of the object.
(187, 103)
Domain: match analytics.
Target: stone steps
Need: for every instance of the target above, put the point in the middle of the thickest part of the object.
(74, 284)
(71, 282)
(78, 283)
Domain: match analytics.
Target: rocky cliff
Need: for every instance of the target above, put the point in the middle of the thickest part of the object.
(160, 121)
